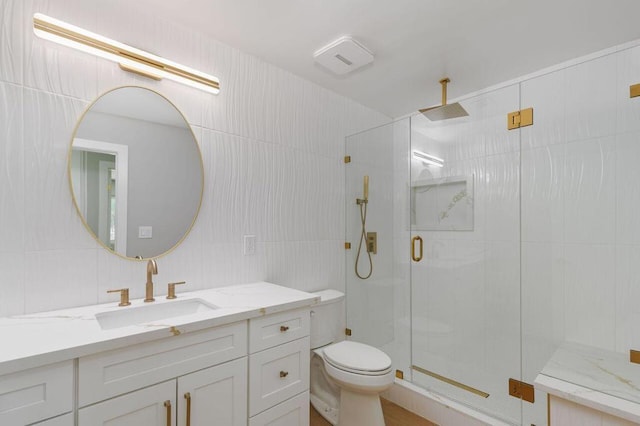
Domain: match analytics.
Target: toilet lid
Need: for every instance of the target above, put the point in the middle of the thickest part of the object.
(357, 357)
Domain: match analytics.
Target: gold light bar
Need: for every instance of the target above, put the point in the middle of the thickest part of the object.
(129, 58)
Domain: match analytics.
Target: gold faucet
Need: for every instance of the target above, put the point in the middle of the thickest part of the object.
(152, 269)
(124, 296)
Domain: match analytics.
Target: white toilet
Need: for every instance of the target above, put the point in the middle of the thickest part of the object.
(346, 377)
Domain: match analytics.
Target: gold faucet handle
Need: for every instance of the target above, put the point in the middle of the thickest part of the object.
(171, 292)
(124, 296)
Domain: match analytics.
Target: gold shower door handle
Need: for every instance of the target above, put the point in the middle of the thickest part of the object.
(413, 249)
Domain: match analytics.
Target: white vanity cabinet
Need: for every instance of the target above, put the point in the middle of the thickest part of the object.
(279, 349)
(245, 363)
(33, 395)
(161, 382)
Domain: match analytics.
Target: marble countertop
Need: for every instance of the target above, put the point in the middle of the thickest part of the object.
(43, 338)
(603, 380)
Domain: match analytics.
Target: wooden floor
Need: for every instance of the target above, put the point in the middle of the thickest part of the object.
(394, 415)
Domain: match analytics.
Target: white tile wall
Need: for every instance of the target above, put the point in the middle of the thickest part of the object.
(12, 198)
(11, 41)
(590, 103)
(590, 191)
(272, 147)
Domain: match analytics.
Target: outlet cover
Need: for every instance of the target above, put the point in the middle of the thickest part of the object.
(249, 246)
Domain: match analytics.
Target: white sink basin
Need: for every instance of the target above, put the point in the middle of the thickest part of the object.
(151, 312)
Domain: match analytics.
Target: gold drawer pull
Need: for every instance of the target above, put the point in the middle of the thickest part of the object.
(415, 257)
(167, 404)
(283, 328)
(187, 396)
(284, 374)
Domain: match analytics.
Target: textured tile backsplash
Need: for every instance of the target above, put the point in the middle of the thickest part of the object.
(272, 145)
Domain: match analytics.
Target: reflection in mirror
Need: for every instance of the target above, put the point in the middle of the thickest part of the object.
(136, 172)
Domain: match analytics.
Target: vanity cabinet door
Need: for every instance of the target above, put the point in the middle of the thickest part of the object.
(66, 420)
(216, 395)
(152, 406)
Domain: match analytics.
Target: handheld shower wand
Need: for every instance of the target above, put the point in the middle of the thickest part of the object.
(362, 202)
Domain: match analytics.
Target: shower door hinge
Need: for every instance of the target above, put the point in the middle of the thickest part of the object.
(347, 332)
(634, 356)
(400, 374)
(347, 159)
(634, 91)
(521, 118)
(521, 390)
(347, 246)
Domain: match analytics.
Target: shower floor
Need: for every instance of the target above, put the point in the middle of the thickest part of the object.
(394, 415)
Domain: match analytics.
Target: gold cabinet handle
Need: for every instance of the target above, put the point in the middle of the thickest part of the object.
(284, 374)
(283, 328)
(413, 249)
(167, 404)
(187, 396)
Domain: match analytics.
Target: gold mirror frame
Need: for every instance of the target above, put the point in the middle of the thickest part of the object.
(70, 179)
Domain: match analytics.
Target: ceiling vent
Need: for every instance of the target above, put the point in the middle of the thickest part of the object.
(343, 56)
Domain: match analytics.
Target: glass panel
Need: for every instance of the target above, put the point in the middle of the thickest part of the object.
(465, 291)
(580, 227)
(378, 306)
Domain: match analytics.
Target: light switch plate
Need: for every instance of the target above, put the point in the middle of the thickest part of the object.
(145, 231)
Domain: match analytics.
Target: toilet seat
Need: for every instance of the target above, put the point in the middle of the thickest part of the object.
(357, 358)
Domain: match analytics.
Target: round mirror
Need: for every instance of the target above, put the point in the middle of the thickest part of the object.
(136, 173)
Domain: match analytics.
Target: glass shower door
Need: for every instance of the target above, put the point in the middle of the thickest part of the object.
(464, 196)
(378, 294)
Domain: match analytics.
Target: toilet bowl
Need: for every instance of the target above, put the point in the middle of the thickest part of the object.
(346, 377)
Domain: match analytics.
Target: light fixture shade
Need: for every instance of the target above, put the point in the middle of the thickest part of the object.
(427, 158)
(129, 58)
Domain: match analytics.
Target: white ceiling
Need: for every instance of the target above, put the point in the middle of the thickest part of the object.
(477, 43)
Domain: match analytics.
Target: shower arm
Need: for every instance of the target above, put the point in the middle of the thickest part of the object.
(444, 83)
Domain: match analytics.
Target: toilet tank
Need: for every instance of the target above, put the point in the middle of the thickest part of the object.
(327, 318)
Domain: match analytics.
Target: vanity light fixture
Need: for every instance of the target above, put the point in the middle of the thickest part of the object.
(427, 158)
(129, 58)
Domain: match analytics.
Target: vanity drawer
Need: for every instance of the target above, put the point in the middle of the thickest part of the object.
(115, 372)
(278, 374)
(36, 394)
(292, 412)
(267, 332)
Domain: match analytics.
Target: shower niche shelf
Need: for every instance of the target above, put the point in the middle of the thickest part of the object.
(444, 204)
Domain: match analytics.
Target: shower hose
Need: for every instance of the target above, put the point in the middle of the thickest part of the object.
(363, 238)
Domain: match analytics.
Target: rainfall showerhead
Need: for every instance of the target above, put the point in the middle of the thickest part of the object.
(444, 111)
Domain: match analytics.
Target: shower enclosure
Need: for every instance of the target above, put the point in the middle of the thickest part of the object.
(498, 246)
